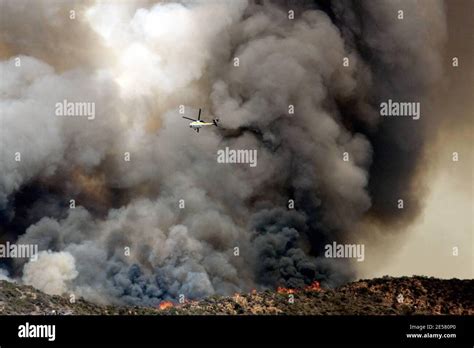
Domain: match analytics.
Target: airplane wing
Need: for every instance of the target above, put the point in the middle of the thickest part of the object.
(192, 119)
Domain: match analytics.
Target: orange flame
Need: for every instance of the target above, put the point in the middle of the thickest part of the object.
(314, 286)
(165, 305)
(282, 290)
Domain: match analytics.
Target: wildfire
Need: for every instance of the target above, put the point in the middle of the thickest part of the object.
(165, 305)
(282, 290)
(314, 286)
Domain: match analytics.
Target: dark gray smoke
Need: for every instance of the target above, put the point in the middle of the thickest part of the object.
(237, 231)
(404, 67)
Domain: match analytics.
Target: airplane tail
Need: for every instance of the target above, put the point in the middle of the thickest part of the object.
(215, 121)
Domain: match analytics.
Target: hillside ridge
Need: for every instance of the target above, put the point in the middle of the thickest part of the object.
(415, 295)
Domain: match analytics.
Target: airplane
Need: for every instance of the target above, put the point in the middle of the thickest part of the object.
(197, 124)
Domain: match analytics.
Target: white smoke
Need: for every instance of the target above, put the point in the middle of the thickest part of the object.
(163, 48)
(5, 276)
(51, 272)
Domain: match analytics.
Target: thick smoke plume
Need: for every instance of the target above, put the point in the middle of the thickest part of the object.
(51, 272)
(138, 62)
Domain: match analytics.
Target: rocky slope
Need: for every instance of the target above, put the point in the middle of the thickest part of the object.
(382, 296)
